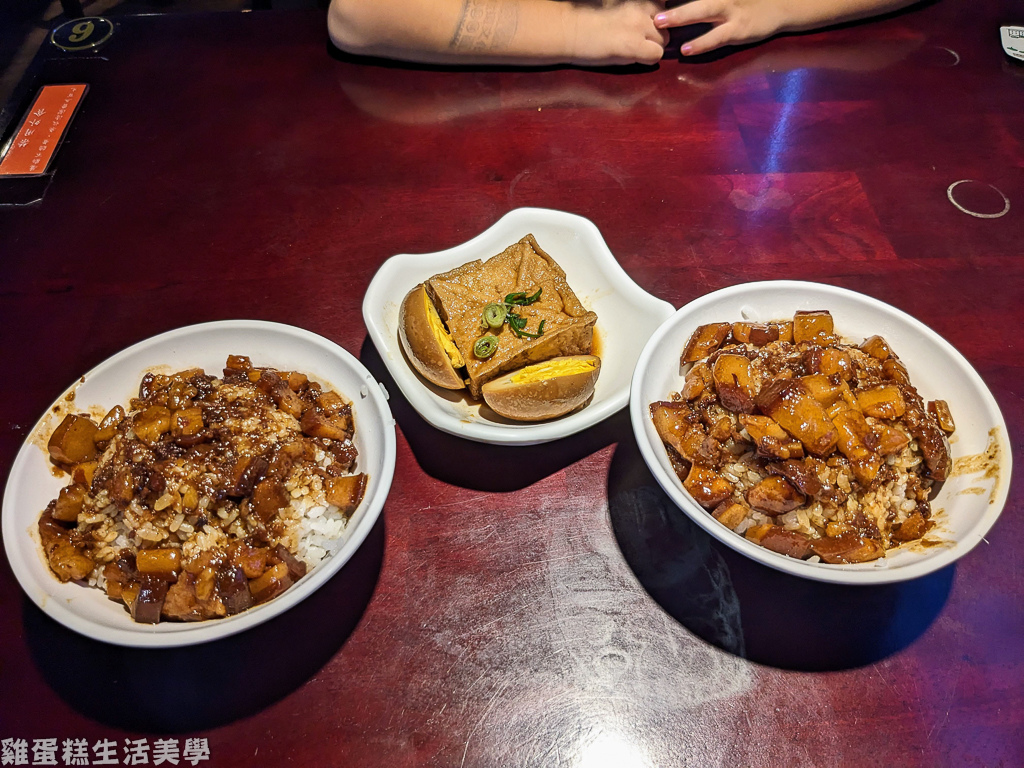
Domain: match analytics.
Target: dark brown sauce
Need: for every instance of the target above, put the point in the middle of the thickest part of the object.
(53, 417)
(987, 464)
(922, 545)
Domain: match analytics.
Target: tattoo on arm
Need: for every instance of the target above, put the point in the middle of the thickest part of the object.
(485, 25)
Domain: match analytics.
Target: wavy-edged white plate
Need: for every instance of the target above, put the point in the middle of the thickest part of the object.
(31, 485)
(626, 317)
(968, 503)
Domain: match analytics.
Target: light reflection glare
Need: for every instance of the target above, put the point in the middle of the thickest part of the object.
(792, 86)
(611, 750)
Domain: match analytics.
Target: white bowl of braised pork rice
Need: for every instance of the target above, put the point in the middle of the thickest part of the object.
(198, 483)
(821, 432)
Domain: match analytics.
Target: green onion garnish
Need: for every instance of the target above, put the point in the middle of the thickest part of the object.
(520, 299)
(494, 316)
(485, 346)
(516, 323)
(518, 326)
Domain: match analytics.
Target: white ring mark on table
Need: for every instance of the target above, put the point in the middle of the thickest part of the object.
(976, 214)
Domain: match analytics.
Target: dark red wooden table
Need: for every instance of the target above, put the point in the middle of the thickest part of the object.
(559, 611)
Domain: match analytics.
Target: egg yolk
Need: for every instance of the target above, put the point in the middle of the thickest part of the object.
(441, 333)
(551, 368)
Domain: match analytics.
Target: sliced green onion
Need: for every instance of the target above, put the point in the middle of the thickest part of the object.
(517, 324)
(494, 316)
(485, 346)
(520, 299)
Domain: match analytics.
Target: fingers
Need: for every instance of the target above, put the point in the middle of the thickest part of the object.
(709, 41)
(656, 38)
(650, 52)
(659, 36)
(629, 32)
(654, 33)
(696, 12)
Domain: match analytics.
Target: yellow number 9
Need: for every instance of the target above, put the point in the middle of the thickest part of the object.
(80, 32)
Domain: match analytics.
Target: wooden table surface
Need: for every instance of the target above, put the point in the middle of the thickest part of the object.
(560, 611)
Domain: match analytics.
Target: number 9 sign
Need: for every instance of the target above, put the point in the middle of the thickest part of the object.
(81, 31)
(82, 34)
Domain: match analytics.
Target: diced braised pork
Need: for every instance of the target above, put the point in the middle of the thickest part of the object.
(196, 474)
(778, 417)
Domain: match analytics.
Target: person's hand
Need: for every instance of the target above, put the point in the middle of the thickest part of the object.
(623, 33)
(735, 22)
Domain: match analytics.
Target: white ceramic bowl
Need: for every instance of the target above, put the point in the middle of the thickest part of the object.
(31, 484)
(966, 506)
(627, 315)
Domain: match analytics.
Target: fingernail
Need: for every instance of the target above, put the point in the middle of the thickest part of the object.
(661, 18)
(686, 50)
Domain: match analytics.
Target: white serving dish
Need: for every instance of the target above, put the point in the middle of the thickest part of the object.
(627, 315)
(966, 506)
(32, 485)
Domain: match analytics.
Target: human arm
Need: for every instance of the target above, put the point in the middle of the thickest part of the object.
(525, 32)
(746, 21)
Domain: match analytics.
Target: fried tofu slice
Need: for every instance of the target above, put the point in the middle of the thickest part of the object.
(461, 294)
